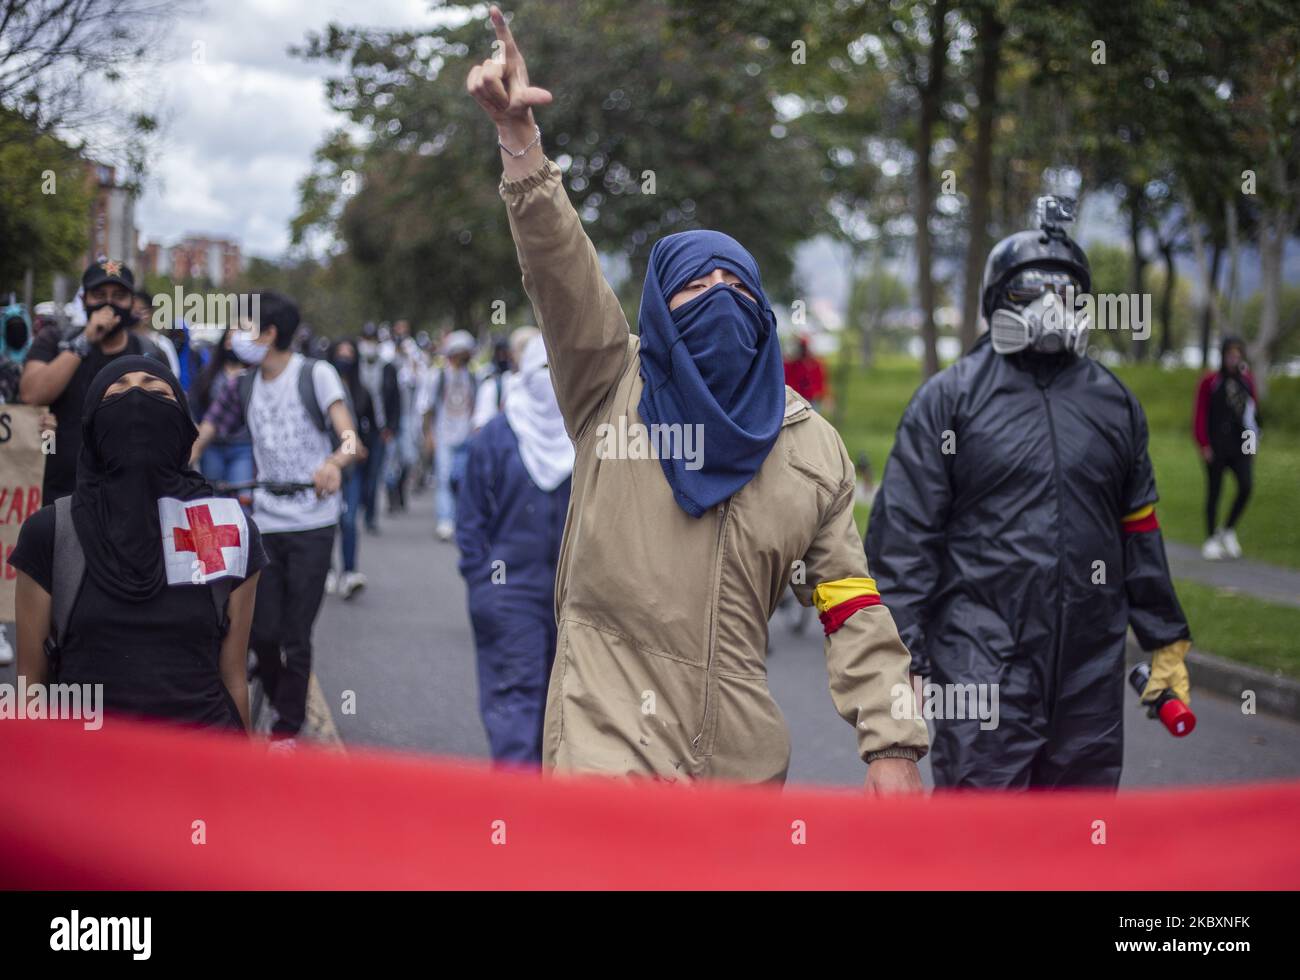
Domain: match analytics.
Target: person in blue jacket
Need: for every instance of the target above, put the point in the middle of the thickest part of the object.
(510, 514)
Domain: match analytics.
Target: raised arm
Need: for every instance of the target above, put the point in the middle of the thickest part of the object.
(585, 329)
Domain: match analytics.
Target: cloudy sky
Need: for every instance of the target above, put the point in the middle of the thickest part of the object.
(241, 127)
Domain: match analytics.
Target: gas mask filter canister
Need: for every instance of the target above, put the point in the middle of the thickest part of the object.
(1045, 326)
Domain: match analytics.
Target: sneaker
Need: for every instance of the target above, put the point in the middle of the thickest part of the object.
(353, 582)
(1230, 543)
(6, 651)
(445, 530)
(331, 582)
(1212, 550)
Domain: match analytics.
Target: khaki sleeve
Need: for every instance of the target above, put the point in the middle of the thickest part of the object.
(580, 317)
(865, 658)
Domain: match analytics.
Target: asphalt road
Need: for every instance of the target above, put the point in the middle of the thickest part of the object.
(403, 648)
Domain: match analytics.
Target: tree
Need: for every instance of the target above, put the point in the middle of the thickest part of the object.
(60, 61)
(656, 131)
(44, 200)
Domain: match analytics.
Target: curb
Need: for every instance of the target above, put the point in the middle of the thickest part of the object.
(1274, 692)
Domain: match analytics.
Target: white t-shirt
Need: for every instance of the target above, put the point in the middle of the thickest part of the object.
(288, 447)
(453, 412)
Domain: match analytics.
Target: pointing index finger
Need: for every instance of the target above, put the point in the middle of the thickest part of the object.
(503, 32)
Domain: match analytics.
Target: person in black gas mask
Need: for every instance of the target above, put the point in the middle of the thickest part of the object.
(59, 369)
(1014, 532)
(145, 581)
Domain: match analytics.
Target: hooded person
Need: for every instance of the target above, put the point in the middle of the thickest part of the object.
(159, 614)
(1015, 531)
(510, 512)
(1225, 424)
(15, 342)
(702, 488)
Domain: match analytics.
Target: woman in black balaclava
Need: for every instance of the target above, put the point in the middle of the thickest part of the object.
(156, 545)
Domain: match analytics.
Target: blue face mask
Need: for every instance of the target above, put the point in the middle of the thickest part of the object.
(721, 328)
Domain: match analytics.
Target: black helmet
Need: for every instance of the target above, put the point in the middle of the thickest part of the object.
(1050, 248)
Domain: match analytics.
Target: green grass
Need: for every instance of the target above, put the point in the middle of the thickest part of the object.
(1232, 625)
(874, 399)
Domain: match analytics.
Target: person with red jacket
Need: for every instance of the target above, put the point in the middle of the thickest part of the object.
(806, 375)
(1225, 425)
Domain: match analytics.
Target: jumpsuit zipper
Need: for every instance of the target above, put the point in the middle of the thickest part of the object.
(713, 620)
(1060, 555)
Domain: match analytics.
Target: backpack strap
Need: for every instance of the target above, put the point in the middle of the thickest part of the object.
(220, 590)
(307, 393)
(69, 569)
(245, 384)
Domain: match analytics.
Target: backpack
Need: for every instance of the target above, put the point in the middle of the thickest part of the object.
(70, 573)
(306, 394)
(440, 389)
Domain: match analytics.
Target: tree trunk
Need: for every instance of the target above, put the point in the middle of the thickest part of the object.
(930, 94)
(1138, 270)
(1209, 314)
(1167, 298)
(1272, 242)
(1234, 266)
(990, 43)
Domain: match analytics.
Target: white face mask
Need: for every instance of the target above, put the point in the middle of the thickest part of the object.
(1044, 326)
(247, 349)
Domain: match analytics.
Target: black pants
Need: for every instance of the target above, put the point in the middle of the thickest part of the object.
(1240, 464)
(374, 475)
(288, 598)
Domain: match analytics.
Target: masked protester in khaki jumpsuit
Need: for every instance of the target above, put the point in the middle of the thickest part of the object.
(670, 569)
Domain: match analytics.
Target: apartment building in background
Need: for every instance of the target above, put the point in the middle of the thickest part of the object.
(218, 260)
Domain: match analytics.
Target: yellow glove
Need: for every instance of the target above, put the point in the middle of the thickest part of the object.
(1169, 673)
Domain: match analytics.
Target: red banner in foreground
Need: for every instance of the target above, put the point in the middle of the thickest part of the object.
(134, 806)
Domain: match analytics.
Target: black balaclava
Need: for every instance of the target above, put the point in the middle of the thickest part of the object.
(135, 449)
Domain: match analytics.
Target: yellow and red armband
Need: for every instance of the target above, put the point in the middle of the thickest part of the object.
(1142, 519)
(837, 601)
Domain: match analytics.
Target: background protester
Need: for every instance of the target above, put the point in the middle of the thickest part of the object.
(227, 458)
(448, 411)
(506, 355)
(806, 374)
(142, 310)
(511, 506)
(1225, 424)
(161, 644)
(404, 451)
(344, 358)
(658, 552)
(58, 370)
(379, 375)
(290, 421)
(15, 342)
